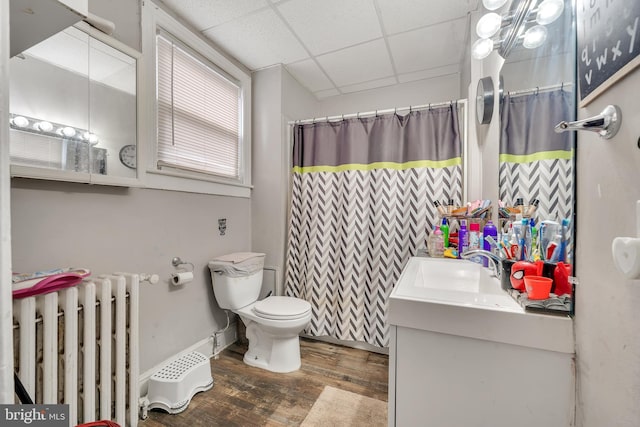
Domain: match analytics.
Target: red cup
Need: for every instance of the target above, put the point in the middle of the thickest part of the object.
(537, 287)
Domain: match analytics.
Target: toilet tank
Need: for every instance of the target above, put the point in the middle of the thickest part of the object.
(233, 293)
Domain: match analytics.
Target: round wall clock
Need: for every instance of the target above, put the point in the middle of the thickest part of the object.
(484, 100)
(128, 156)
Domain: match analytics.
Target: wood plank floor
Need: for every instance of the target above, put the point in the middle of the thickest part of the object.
(246, 396)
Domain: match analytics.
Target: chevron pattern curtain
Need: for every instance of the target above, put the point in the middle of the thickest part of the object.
(536, 162)
(361, 204)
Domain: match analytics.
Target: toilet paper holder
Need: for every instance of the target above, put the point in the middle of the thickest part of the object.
(177, 262)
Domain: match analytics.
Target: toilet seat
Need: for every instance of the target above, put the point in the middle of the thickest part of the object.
(281, 308)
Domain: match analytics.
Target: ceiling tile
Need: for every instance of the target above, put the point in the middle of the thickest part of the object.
(430, 47)
(429, 74)
(368, 61)
(388, 81)
(309, 74)
(328, 25)
(258, 40)
(321, 94)
(420, 13)
(203, 14)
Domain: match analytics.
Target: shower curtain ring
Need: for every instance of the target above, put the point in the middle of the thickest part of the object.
(537, 90)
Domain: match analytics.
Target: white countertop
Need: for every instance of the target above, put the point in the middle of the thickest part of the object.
(460, 298)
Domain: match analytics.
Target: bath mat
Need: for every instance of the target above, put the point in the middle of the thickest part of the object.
(335, 407)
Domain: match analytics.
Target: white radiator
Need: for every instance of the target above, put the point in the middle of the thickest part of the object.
(79, 346)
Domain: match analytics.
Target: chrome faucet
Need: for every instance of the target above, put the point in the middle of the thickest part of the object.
(496, 260)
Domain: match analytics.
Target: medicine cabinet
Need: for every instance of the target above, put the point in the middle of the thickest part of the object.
(73, 109)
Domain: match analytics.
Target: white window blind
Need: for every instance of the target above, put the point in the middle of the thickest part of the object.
(199, 113)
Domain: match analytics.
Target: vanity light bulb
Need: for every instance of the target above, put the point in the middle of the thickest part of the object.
(535, 37)
(90, 138)
(488, 25)
(549, 11)
(43, 126)
(21, 122)
(68, 131)
(481, 48)
(493, 4)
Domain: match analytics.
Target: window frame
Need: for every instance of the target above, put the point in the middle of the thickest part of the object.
(156, 20)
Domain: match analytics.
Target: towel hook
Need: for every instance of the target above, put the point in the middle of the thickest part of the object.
(606, 124)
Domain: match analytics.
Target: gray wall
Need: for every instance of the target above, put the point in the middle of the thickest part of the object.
(607, 305)
(277, 98)
(109, 229)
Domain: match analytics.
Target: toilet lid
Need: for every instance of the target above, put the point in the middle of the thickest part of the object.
(281, 308)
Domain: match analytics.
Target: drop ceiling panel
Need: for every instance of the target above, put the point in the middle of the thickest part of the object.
(365, 62)
(414, 14)
(204, 14)
(429, 47)
(328, 25)
(429, 74)
(309, 74)
(258, 40)
(388, 81)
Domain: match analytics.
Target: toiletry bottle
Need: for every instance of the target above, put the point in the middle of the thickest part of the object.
(438, 244)
(441, 210)
(531, 210)
(463, 240)
(488, 230)
(445, 232)
(519, 205)
(451, 206)
(474, 240)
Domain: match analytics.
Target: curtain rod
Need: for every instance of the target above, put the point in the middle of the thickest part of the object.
(539, 89)
(377, 112)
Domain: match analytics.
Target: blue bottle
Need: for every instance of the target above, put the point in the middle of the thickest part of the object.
(488, 230)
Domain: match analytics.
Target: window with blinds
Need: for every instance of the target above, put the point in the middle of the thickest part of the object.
(199, 113)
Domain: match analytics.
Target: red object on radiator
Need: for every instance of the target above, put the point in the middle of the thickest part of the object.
(101, 423)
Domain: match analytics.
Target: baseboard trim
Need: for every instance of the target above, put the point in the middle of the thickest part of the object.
(353, 344)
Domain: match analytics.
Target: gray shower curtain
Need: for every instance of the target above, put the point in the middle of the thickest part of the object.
(536, 162)
(361, 204)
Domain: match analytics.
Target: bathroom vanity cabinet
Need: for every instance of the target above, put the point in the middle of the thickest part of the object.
(463, 353)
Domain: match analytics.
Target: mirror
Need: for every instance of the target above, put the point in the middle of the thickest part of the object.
(73, 108)
(539, 91)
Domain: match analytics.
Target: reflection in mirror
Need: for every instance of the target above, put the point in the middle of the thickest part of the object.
(73, 105)
(539, 91)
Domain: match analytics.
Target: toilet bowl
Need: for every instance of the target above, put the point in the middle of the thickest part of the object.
(272, 324)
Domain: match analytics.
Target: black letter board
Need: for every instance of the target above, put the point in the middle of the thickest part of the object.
(608, 43)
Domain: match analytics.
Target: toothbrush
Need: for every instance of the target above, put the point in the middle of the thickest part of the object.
(523, 239)
(563, 240)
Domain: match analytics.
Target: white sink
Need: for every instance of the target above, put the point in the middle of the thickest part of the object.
(461, 298)
(453, 282)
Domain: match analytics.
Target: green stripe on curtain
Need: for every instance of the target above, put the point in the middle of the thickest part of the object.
(541, 155)
(381, 165)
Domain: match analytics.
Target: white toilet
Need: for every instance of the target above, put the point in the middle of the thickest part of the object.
(273, 324)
